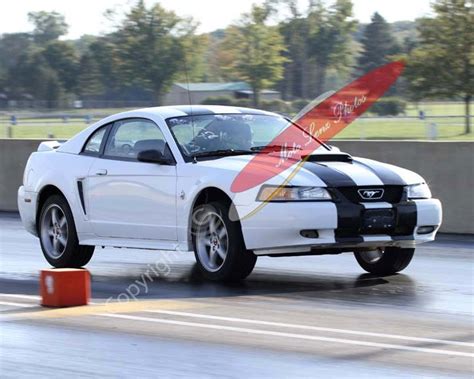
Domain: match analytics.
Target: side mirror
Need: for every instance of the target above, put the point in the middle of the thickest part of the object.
(153, 156)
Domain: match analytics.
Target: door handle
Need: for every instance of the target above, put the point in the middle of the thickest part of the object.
(101, 172)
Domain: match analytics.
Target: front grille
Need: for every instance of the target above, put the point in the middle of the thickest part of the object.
(392, 194)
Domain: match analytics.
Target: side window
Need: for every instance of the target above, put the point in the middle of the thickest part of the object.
(92, 146)
(129, 137)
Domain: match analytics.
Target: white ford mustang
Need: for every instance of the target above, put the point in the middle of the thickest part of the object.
(160, 178)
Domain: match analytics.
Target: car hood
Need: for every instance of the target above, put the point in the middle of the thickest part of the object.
(325, 170)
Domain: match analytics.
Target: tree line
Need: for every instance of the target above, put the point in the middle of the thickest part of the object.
(300, 52)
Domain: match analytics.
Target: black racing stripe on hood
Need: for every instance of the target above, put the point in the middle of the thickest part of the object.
(385, 174)
(330, 176)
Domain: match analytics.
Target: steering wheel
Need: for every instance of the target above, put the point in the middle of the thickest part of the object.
(204, 140)
(126, 148)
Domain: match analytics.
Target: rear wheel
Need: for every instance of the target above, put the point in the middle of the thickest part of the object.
(384, 261)
(58, 235)
(218, 244)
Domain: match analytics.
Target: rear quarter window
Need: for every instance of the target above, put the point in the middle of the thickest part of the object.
(93, 144)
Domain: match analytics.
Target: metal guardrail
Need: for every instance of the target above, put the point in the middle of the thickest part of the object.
(427, 126)
(46, 121)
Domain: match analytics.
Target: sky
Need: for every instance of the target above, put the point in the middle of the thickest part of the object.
(87, 16)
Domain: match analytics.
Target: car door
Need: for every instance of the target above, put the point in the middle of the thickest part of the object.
(127, 198)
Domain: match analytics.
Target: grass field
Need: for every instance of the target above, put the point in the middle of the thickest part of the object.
(402, 128)
(408, 127)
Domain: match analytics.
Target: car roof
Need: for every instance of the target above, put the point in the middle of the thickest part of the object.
(74, 145)
(192, 110)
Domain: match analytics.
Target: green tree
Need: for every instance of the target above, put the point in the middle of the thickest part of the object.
(49, 26)
(295, 32)
(12, 46)
(63, 59)
(104, 52)
(195, 48)
(329, 38)
(151, 50)
(37, 64)
(319, 44)
(378, 43)
(443, 64)
(257, 50)
(89, 79)
(36, 78)
(213, 64)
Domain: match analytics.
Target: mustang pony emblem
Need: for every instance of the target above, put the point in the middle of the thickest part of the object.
(372, 194)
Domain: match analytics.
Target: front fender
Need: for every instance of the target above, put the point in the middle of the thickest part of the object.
(63, 172)
(188, 191)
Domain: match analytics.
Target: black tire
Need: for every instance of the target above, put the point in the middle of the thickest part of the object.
(238, 262)
(391, 261)
(72, 254)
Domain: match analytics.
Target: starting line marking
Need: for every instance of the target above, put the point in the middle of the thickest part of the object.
(145, 306)
(291, 335)
(316, 328)
(94, 309)
(21, 305)
(17, 296)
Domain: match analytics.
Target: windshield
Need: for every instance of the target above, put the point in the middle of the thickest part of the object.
(219, 134)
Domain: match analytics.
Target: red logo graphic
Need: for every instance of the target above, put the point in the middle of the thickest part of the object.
(321, 122)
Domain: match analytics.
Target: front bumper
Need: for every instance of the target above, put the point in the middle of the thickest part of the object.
(276, 228)
(27, 202)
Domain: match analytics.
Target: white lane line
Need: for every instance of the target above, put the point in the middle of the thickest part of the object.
(317, 328)
(21, 305)
(17, 296)
(34, 297)
(290, 335)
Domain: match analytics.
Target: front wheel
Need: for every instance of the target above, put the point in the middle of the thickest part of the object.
(218, 244)
(58, 235)
(384, 261)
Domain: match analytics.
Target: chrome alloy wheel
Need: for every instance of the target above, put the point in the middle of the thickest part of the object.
(371, 256)
(54, 231)
(212, 241)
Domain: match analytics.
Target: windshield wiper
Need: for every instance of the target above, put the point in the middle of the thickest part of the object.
(274, 148)
(221, 153)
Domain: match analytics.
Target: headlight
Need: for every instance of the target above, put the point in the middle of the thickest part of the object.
(418, 191)
(276, 193)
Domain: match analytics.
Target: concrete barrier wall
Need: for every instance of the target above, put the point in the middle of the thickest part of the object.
(14, 154)
(447, 166)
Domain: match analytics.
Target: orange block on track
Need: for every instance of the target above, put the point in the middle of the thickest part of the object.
(64, 287)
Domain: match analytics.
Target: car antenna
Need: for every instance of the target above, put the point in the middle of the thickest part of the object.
(189, 100)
